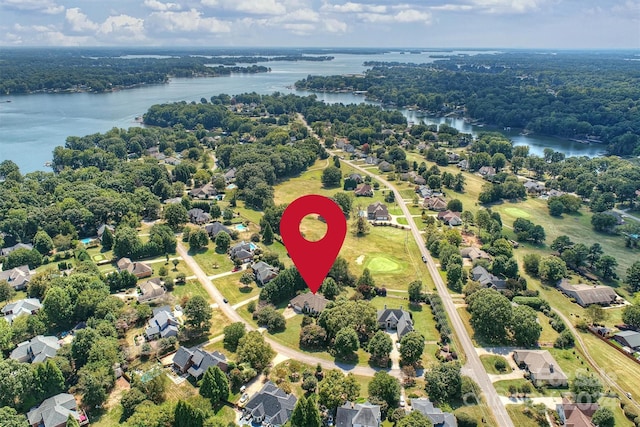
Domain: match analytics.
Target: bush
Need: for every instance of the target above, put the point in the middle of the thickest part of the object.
(464, 419)
(565, 340)
(500, 365)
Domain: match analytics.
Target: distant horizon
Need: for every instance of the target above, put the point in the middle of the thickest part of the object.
(512, 24)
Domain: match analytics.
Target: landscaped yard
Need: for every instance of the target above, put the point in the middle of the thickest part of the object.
(233, 290)
(519, 418)
(212, 262)
(489, 363)
(190, 289)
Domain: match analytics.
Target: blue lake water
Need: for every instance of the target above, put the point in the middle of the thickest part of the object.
(31, 126)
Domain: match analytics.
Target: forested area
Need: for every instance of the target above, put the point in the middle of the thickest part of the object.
(587, 96)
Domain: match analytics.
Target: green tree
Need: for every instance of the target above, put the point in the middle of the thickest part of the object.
(414, 419)
(556, 207)
(565, 340)
(606, 265)
(386, 388)
(185, 415)
(631, 315)
(360, 316)
(603, 221)
(346, 343)
(130, 400)
(198, 239)
(299, 414)
(595, 252)
(454, 205)
(345, 201)
(491, 314)
(253, 349)
(10, 418)
(232, 335)
(380, 346)
(525, 327)
(411, 348)
(551, 269)
(633, 276)
(443, 382)
(531, 264)
(57, 306)
(42, 242)
(7, 292)
(176, 215)
(72, 421)
(561, 243)
(454, 277)
(331, 177)
(586, 388)
(223, 241)
(603, 417)
(415, 291)
(6, 334)
(313, 418)
(336, 388)
(16, 383)
(215, 385)
(198, 313)
(126, 243)
(596, 314)
(48, 379)
(329, 288)
(267, 234)
(361, 226)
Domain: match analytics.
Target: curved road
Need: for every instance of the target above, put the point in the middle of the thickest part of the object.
(473, 368)
(279, 348)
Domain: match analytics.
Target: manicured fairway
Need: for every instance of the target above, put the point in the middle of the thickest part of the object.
(517, 212)
(382, 264)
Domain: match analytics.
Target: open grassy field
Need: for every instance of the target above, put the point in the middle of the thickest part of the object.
(502, 387)
(489, 364)
(212, 262)
(233, 290)
(519, 418)
(190, 289)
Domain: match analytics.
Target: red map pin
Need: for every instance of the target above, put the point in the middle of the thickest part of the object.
(313, 259)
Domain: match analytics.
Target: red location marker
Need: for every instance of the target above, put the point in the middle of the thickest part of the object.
(313, 259)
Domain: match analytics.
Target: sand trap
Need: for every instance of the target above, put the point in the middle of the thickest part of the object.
(360, 260)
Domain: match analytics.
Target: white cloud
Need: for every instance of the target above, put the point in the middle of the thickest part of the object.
(404, 16)
(48, 7)
(351, 7)
(123, 26)
(453, 7)
(335, 26)
(158, 5)
(307, 15)
(257, 7)
(48, 35)
(301, 29)
(187, 21)
(79, 21)
(507, 6)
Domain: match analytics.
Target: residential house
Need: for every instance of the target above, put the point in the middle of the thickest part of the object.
(172, 161)
(554, 193)
(435, 203)
(38, 349)
(426, 192)
(18, 277)
(138, 269)
(356, 177)
(419, 180)
(404, 176)
(214, 228)
(172, 201)
(205, 192)
(151, 290)
(616, 216)
(54, 412)
(474, 254)
(163, 324)
(195, 361)
(453, 157)
(534, 187)
(463, 164)
(629, 339)
(349, 148)
(437, 417)
(6, 251)
(242, 251)
(370, 160)
(26, 306)
(541, 366)
(358, 415)
(340, 143)
(385, 166)
(263, 272)
(270, 406)
(230, 175)
(102, 229)
(450, 218)
(576, 414)
(487, 171)
(364, 190)
(395, 319)
(586, 295)
(309, 303)
(198, 216)
(481, 275)
(378, 212)
(421, 146)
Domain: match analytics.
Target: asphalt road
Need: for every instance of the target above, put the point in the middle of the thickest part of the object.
(473, 368)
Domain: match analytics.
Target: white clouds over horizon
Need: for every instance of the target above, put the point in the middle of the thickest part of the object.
(375, 23)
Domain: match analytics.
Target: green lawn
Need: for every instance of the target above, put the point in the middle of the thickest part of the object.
(233, 290)
(502, 387)
(190, 289)
(519, 418)
(212, 262)
(489, 361)
(402, 220)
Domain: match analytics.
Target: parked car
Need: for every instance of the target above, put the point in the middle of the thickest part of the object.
(244, 398)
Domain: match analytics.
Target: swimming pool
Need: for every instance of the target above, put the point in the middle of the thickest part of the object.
(86, 241)
(241, 227)
(253, 246)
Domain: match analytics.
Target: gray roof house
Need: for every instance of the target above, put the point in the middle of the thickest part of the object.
(263, 272)
(206, 191)
(198, 216)
(542, 367)
(6, 251)
(487, 171)
(437, 417)
(309, 303)
(474, 253)
(151, 290)
(243, 251)
(481, 275)
(138, 269)
(163, 324)
(54, 412)
(629, 339)
(230, 175)
(214, 228)
(398, 319)
(385, 166)
(270, 406)
(358, 415)
(534, 187)
(378, 212)
(38, 349)
(586, 295)
(26, 306)
(104, 227)
(17, 277)
(195, 361)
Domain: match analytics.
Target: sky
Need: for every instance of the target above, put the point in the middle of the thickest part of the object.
(552, 24)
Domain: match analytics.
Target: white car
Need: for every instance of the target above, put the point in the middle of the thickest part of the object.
(244, 398)
(402, 401)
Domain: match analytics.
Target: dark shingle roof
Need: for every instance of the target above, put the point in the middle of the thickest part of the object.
(272, 403)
